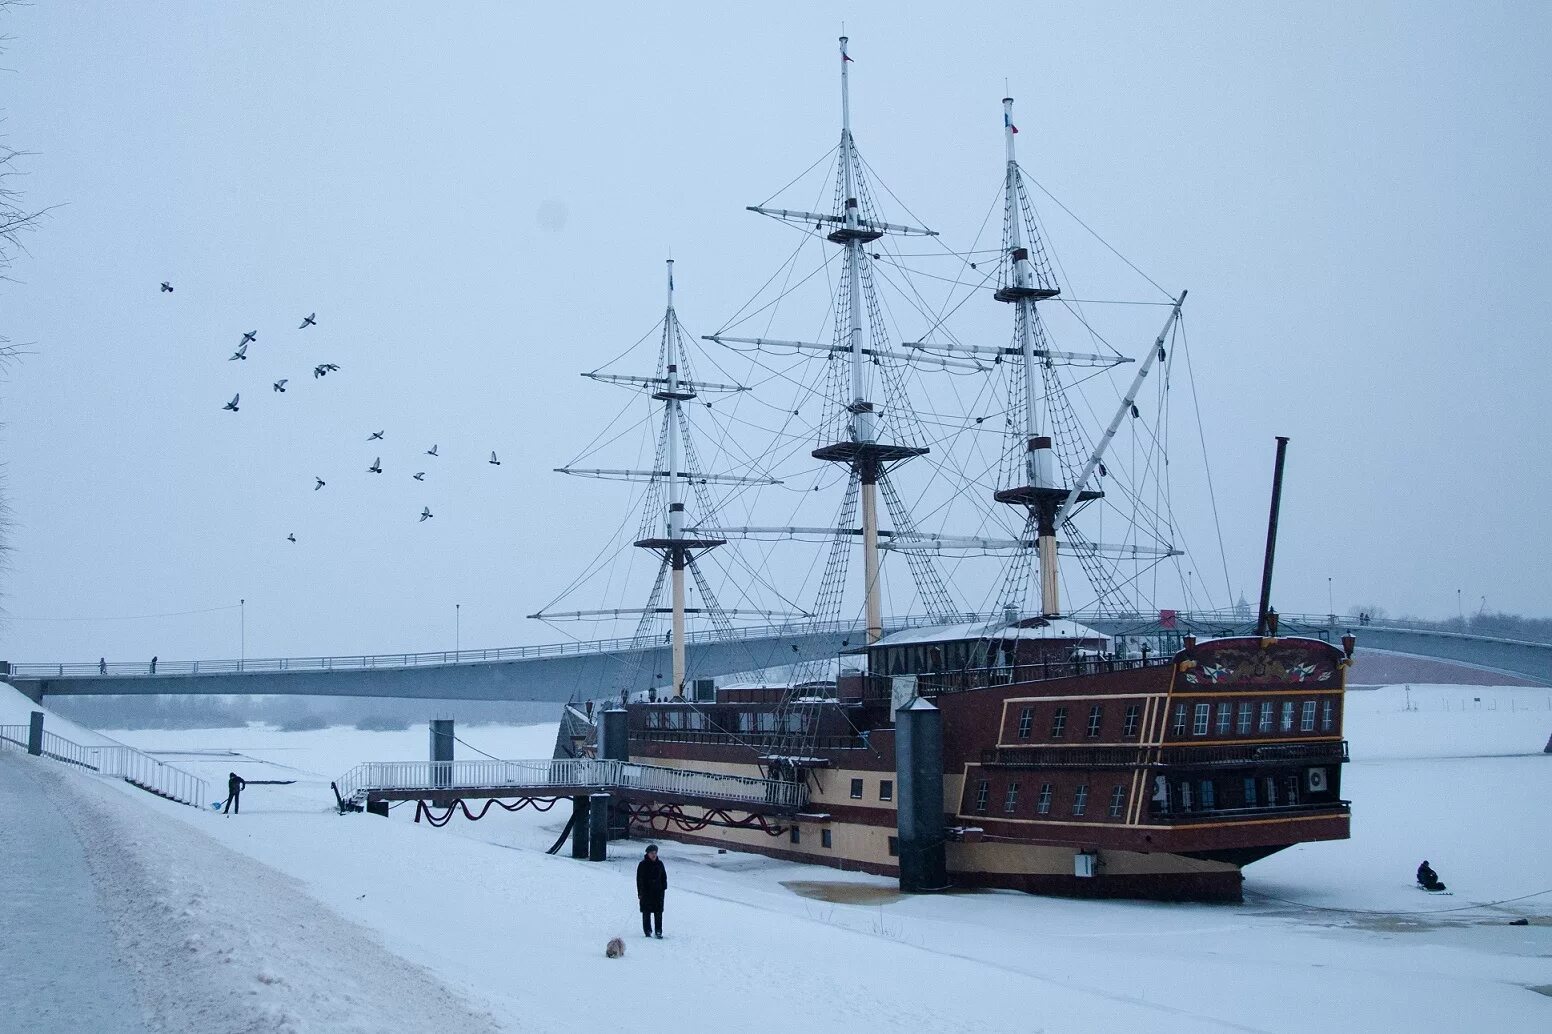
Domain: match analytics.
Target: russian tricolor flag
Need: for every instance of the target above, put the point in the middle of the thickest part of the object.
(1007, 120)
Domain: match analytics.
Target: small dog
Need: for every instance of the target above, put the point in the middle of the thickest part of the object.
(615, 948)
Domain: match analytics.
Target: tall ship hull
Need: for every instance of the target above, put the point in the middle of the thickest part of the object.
(1142, 778)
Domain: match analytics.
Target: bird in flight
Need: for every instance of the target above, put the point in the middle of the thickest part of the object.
(324, 369)
(241, 353)
(431, 451)
(166, 287)
(494, 461)
(309, 321)
(280, 385)
(419, 475)
(376, 467)
(320, 483)
(250, 336)
(425, 511)
(232, 405)
(376, 436)
(291, 537)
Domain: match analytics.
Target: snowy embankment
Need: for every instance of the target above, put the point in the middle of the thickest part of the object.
(1321, 944)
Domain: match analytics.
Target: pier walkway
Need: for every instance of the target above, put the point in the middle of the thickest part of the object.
(378, 781)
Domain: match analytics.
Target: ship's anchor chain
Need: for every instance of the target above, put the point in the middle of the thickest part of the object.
(423, 810)
(673, 816)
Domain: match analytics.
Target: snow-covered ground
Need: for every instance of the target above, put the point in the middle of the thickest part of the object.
(290, 917)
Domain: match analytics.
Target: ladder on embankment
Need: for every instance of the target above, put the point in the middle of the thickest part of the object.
(136, 768)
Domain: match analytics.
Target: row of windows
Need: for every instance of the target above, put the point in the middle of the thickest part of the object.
(1044, 799)
(1095, 723)
(1267, 717)
(886, 789)
(1239, 717)
(795, 836)
(1200, 794)
(744, 721)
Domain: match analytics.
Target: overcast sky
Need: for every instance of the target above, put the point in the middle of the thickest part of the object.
(476, 201)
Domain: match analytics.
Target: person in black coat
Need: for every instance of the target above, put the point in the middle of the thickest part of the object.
(1427, 878)
(651, 883)
(234, 786)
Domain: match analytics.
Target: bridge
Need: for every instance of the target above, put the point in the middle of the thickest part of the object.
(597, 669)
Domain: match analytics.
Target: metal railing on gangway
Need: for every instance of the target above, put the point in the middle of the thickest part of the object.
(562, 774)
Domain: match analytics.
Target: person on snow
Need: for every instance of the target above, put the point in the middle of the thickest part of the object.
(651, 883)
(1427, 878)
(235, 784)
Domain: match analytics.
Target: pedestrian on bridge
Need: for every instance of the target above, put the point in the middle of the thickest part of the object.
(235, 784)
(153, 665)
(651, 884)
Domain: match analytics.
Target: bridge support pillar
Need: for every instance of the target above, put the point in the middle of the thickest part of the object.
(35, 734)
(580, 829)
(598, 827)
(919, 785)
(441, 752)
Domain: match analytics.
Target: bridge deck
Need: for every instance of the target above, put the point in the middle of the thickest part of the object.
(565, 777)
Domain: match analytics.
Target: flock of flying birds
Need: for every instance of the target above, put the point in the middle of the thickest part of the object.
(321, 370)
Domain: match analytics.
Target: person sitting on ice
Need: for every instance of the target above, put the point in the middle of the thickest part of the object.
(1427, 878)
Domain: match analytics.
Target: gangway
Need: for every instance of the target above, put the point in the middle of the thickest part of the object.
(374, 782)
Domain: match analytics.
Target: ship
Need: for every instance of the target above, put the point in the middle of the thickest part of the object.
(1020, 747)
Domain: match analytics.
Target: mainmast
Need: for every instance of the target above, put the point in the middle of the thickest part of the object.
(863, 452)
(1042, 492)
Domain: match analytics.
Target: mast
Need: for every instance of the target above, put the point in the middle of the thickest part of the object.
(1041, 493)
(678, 555)
(866, 456)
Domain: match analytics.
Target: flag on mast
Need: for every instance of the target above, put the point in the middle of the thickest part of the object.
(1007, 120)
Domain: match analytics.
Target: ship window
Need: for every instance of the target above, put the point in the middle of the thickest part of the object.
(1010, 803)
(1264, 724)
(1271, 791)
(886, 789)
(1096, 715)
(1026, 719)
(1287, 722)
(745, 721)
(697, 719)
(935, 658)
(824, 838)
(1250, 792)
(653, 719)
(1225, 715)
(1199, 723)
(1117, 800)
(1080, 799)
(856, 789)
(1043, 805)
(1292, 785)
(1059, 723)
(1307, 717)
(796, 836)
(982, 792)
(1180, 719)
(676, 719)
(1209, 797)
(794, 722)
(1325, 717)
(894, 847)
(1185, 795)
(1243, 725)
(1132, 711)
(765, 721)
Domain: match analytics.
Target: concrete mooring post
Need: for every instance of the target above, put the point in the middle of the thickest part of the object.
(598, 827)
(614, 745)
(580, 828)
(919, 787)
(35, 734)
(441, 752)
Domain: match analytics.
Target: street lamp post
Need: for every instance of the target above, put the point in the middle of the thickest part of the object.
(1330, 606)
(457, 630)
(242, 633)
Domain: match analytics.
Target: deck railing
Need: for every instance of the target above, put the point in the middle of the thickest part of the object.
(562, 775)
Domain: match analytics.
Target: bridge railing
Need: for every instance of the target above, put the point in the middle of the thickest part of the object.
(149, 773)
(562, 774)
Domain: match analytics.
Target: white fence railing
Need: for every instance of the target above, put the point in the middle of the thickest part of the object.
(148, 773)
(562, 774)
(14, 734)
